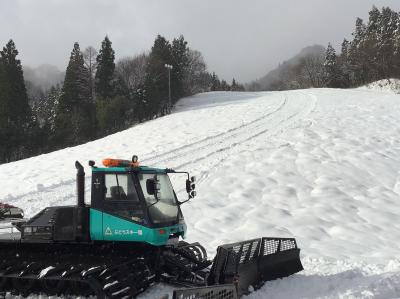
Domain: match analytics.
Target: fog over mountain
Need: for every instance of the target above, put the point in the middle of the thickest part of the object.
(285, 70)
(44, 76)
(40, 79)
(238, 38)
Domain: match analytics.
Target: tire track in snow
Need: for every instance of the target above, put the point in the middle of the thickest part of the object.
(166, 156)
(231, 143)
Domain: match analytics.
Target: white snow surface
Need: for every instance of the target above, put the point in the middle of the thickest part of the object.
(385, 85)
(320, 165)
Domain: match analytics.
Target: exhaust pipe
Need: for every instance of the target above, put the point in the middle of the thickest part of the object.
(80, 184)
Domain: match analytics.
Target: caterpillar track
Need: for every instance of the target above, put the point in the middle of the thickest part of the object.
(83, 271)
(105, 271)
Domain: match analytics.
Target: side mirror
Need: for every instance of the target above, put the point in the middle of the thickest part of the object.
(150, 187)
(193, 179)
(190, 186)
(153, 187)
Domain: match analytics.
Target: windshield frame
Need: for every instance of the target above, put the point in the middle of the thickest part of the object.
(148, 206)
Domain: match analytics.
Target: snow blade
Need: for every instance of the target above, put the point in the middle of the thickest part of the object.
(252, 262)
(212, 292)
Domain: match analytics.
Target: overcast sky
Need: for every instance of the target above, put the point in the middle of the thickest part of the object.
(238, 38)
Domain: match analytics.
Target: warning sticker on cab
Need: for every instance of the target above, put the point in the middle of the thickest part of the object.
(122, 232)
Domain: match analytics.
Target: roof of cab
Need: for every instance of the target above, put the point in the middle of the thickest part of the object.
(142, 169)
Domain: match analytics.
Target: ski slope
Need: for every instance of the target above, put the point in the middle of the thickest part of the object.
(321, 165)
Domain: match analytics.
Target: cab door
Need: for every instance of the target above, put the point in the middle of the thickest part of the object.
(123, 212)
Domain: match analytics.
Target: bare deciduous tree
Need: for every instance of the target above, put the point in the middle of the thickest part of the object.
(89, 56)
(313, 70)
(194, 79)
(132, 71)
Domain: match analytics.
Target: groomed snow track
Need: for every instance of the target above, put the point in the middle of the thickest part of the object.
(320, 164)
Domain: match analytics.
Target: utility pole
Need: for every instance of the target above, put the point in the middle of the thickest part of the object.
(169, 68)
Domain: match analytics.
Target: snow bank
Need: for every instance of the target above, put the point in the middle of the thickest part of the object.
(342, 280)
(320, 165)
(386, 85)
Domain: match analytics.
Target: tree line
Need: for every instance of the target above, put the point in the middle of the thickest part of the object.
(372, 54)
(98, 96)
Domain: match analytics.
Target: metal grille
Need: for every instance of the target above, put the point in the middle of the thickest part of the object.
(246, 251)
(270, 246)
(288, 244)
(212, 292)
(254, 250)
(274, 245)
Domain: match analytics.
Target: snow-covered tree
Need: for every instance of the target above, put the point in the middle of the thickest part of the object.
(75, 120)
(333, 75)
(45, 108)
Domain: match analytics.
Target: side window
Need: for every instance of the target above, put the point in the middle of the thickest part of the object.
(120, 187)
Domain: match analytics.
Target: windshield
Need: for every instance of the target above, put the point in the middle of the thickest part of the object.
(166, 209)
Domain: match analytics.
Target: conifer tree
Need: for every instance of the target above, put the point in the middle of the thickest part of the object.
(180, 61)
(156, 81)
(333, 76)
(356, 54)
(215, 83)
(386, 42)
(345, 50)
(74, 121)
(370, 46)
(374, 21)
(234, 86)
(104, 79)
(397, 49)
(344, 64)
(6, 127)
(15, 113)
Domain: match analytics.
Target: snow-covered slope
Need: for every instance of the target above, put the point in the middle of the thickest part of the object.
(320, 165)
